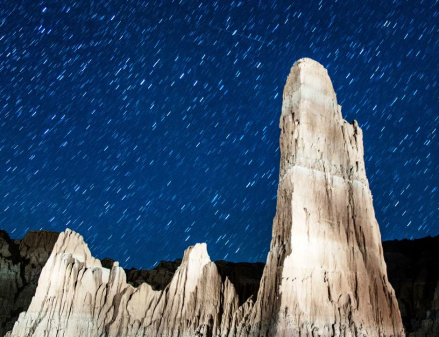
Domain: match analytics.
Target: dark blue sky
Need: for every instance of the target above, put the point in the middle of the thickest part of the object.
(149, 126)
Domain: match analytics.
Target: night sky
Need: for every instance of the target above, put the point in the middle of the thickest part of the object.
(148, 126)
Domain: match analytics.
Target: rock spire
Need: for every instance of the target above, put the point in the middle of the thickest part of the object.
(325, 273)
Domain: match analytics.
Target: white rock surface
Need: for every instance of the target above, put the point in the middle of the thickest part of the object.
(77, 297)
(325, 273)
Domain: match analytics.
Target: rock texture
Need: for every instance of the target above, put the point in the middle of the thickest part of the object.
(244, 276)
(325, 273)
(77, 296)
(413, 269)
(21, 262)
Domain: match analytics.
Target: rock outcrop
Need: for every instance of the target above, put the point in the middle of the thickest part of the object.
(325, 273)
(77, 296)
(21, 262)
(412, 267)
(244, 276)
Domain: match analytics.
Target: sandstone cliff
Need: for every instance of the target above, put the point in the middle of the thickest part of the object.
(325, 273)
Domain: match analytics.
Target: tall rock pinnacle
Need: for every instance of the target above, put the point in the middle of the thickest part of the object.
(325, 274)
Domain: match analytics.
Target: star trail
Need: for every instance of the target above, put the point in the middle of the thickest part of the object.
(148, 126)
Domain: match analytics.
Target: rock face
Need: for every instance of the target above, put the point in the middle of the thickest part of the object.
(21, 262)
(413, 269)
(244, 276)
(325, 273)
(411, 265)
(77, 296)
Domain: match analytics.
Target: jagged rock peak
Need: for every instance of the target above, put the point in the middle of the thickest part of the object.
(76, 296)
(314, 133)
(194, 259)
(196, 254)
(73, 243)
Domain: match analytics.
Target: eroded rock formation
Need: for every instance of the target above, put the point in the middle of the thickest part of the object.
(77, 296)
(325, 273)
(21, 262)
(411, 265)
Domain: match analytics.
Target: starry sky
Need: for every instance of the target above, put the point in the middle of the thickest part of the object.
(149, 126)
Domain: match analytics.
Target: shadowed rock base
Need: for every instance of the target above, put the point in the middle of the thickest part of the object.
(413, 269)
(21, 262)
(325, 273)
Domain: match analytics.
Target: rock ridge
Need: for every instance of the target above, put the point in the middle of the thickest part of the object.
(412, 268)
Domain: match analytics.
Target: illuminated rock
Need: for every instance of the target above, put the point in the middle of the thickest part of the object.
(325, 273)
(76, 296)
